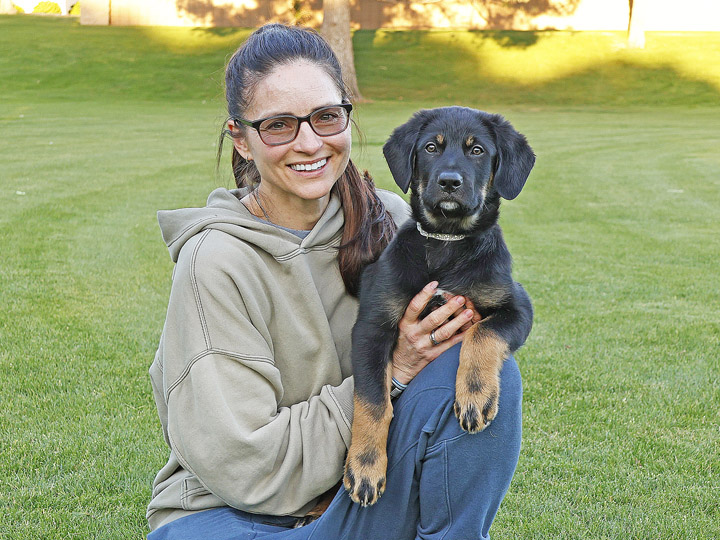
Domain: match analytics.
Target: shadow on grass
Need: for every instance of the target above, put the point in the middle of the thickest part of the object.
(533, 68)
(428, 67)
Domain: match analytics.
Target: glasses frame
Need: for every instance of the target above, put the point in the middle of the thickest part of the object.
(255, 124)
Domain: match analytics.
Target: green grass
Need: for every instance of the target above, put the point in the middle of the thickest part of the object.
(615, 237)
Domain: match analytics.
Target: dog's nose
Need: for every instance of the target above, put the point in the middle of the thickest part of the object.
(450, 181)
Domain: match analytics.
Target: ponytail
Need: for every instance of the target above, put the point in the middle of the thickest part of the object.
(368, 226)
(244, 171)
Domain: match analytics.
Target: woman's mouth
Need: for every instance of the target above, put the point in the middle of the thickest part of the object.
(309, 166)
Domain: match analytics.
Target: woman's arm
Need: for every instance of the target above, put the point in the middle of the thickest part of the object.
(221, 390)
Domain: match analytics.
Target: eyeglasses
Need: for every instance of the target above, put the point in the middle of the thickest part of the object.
(282, 129)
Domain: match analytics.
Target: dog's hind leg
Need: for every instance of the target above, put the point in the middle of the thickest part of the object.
(366, 463)
(477, 387)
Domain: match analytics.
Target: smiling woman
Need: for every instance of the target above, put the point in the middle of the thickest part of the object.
(253, 378)
(298, 165)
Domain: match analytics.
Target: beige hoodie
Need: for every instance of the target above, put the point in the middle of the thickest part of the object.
(252, 377)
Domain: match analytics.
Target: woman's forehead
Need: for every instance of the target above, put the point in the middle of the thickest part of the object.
(296, 88)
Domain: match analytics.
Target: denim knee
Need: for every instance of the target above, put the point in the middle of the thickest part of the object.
(461, 478)
(426, 405)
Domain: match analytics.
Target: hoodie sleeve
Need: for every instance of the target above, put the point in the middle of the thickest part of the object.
(224, 422)
(396, 205)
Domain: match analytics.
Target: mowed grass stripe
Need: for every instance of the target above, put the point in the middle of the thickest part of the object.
(614, 236)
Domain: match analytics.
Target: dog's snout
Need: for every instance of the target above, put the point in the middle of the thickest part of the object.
(450, 181)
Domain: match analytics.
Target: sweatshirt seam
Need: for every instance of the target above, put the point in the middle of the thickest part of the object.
(196, 290)
(348, 424)
(208, 352)
(185, 465)
(191, 226)
(332, 243)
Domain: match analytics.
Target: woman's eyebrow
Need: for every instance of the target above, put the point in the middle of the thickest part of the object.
(271, 115)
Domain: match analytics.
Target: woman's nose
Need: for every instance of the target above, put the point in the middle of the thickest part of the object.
(307, 141)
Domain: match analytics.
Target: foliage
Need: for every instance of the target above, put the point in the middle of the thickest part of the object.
(75, 9)
(47, 7)
(18, 8)
(614, 236)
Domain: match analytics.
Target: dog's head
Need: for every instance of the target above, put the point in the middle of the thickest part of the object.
(458, 162)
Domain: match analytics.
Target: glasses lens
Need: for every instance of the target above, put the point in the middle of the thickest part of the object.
(278, 130)
(329, 120)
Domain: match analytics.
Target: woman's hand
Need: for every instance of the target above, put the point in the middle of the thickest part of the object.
(415, 348)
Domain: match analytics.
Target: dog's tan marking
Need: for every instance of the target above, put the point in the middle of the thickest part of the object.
(477, 387)
(429, 217)
(366, 463)
(395, 306)
(469, 141)
(491, 296)
(440, 138)
(469, 222)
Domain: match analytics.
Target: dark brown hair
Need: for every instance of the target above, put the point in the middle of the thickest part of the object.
(368, 226)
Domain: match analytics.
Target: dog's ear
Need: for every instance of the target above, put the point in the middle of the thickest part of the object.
(399, 150)
(515, 158)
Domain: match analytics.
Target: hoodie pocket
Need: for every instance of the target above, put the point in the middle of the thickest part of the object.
(195, 496)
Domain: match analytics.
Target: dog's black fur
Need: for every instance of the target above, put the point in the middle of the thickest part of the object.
(458, 163)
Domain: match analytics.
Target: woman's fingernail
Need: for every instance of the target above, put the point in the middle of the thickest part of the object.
(433, 285)
(468, 313)
(460, 300)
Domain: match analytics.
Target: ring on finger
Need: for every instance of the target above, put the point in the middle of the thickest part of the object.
(433, 340)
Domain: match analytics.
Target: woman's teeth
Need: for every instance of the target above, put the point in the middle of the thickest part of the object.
(309, 167)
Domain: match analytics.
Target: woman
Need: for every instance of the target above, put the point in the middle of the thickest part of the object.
(252, 378)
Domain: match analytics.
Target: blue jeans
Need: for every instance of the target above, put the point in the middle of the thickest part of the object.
(442, 482)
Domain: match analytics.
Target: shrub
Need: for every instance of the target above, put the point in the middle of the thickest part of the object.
(47, 7)
(75, 9)
(18, 8)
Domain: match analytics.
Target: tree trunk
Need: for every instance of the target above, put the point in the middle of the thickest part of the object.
(636, 26)
(336, 30)
(6, 6)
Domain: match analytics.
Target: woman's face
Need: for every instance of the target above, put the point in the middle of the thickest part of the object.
(296, 88)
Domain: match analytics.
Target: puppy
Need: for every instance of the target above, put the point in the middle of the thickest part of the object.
(458, 163)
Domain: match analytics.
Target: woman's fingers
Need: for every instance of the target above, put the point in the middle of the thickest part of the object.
(418, 303)
(445, 345)
(454, 326)
(477, 317)
(441, 314)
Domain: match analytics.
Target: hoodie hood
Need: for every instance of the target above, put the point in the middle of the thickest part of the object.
(226, 213)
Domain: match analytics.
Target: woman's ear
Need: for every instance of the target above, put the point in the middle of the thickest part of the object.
(239, 141)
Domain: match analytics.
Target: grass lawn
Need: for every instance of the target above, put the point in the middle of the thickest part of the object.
(615, 237)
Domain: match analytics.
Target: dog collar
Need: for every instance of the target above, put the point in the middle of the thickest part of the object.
(439, 236)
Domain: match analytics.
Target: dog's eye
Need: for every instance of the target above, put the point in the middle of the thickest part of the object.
(430, 147)
(477, 150)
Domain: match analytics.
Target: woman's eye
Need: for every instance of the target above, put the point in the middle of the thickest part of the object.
(430, 147)
(477, 150)
(277, 124)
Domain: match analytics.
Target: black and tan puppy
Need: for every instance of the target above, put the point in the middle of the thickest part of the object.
(459, 163)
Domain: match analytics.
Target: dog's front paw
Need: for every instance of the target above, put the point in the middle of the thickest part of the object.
(476, 401)
(365, 475)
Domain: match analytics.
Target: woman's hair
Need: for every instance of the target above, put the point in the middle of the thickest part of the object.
(368, 226)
